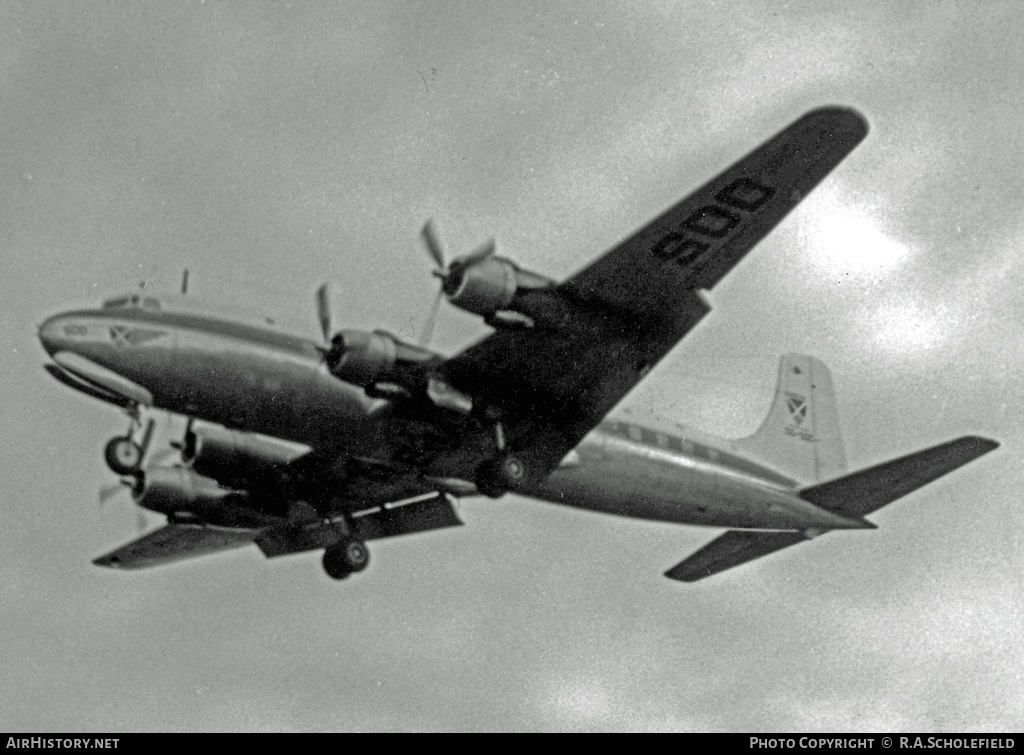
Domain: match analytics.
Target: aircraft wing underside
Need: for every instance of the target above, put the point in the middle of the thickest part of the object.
(175, 542)
(179, 541)
(625, 311)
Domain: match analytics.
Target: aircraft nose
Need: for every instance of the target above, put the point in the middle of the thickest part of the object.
(50, 333)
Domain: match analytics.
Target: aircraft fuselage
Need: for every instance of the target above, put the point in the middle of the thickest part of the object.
(261, 380)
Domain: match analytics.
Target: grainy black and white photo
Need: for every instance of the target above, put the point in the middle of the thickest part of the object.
(521, 366)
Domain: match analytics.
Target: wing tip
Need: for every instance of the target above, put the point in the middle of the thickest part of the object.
(685, 575)
(976, 445)
(109, 561)
(843, 118)
(986, 443)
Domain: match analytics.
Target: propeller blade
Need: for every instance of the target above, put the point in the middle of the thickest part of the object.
(109, 491)
(433, 244)
(162, 455)
(428, 326)
(323, 310)
(485, 251)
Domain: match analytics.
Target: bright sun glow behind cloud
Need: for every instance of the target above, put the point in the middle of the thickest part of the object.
(850, 243)
(903, 327)
(846, 239)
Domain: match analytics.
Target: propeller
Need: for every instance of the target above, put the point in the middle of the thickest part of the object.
(334, 346)
(451, 275)
(323, 310)
(126, 483)
(108, 492)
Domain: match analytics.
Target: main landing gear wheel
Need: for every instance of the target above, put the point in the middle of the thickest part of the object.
(345, 557)
(496, 476)
(123, 455)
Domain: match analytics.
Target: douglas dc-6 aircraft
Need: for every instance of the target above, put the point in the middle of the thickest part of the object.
(300, 445)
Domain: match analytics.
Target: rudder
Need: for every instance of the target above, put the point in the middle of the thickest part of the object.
(800, 436)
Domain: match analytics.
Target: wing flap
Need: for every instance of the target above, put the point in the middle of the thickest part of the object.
(384, 521)
(175, 542)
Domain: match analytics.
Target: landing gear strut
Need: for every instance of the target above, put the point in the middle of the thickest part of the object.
(123, 455)
(346, 556)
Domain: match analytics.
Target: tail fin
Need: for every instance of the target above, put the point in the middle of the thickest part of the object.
(800, 437)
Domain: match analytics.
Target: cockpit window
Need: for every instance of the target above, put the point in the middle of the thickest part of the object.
(121, 302)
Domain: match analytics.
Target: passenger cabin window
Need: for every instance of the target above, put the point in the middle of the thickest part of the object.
(121, 301)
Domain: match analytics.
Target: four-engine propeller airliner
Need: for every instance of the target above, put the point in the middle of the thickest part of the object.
(300, 445)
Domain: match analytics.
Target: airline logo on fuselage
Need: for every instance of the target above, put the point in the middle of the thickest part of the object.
(125, 336)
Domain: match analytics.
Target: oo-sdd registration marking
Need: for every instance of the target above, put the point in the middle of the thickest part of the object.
(712, 221)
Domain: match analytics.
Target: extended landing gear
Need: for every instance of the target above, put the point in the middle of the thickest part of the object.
(123, 455)
(497, 476)
(345, 557)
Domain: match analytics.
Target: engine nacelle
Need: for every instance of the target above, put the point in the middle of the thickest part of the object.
(182, 494)
(234, 458)
(369, 359)
(495, 285)
(177, 490)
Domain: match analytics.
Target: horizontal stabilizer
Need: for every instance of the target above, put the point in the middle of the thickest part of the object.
(175, 542)
(868, 490)
(852, 496)
(732, 549)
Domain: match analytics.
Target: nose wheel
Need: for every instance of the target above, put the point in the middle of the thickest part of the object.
(123, 455)
(346, 557)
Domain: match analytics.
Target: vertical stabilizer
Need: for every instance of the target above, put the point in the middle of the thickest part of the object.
(800, 437)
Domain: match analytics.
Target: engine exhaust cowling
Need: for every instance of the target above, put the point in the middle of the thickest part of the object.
(183, 495)
(175, 490)
(233, 458)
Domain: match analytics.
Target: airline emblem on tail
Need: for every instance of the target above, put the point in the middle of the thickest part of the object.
(797, 407)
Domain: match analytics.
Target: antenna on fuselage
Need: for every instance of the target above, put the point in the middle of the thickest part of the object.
(184, 282)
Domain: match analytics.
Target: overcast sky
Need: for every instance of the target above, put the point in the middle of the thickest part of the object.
(270, 147)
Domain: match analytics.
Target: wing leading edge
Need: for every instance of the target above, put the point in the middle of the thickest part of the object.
(632, 305)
